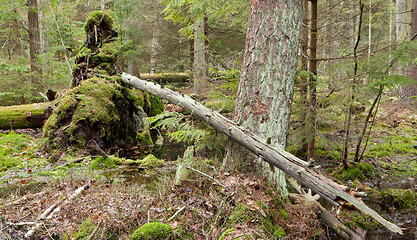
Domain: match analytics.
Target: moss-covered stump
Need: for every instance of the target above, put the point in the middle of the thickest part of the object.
(152, 231)
(98, 111)
(99, 54)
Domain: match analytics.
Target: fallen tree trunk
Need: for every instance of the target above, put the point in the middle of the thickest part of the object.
(24, 116)
(278, 157)
(166, 77)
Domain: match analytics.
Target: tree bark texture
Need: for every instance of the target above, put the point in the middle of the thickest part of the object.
(264, 97)
(402, 18)
(34, 35)
(258, 145)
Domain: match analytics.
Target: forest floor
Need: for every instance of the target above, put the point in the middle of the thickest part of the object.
(120, 196)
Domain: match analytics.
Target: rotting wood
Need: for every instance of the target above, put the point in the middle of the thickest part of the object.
(278, 157)
(49, 213)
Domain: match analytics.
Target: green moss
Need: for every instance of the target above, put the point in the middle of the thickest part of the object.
(241, 213)
(50, 125)
(395, 144)
(97, 18)
(283, 214)
(109, 162)
(11, 147)
(107, 54)
(151, 161)
(153, 104)
(152, 231)
(87, 227)
(144, 138)
(226, 233)
(361, 171)
(400, 198)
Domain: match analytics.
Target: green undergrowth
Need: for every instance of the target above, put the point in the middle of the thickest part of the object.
(394, 145)
(399, 198)
(16, 150)
(360, 171)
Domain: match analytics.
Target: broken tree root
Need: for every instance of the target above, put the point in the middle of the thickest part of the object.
(334, 224)
(49, 213)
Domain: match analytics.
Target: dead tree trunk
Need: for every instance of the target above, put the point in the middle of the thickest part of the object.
(276, 156)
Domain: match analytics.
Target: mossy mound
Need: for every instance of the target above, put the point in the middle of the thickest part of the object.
(99, 28)
(98, 111)
(151, 161)
(152, 231)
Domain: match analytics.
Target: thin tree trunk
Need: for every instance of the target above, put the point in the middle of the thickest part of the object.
(34, 38)
(357, 158)
(15, 28)
(200, 81)
(313, 80)
(410, 91)
(348, 122)
(304, 79)
(154, 51)
(370, 30)
(191, 55)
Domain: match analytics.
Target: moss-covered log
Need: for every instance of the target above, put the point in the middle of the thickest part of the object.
(25, 116)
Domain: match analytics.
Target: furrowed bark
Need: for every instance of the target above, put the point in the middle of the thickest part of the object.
(276, 156)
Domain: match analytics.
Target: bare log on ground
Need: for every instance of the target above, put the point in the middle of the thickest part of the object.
(24, 116)
(278, 157)
(56, 207)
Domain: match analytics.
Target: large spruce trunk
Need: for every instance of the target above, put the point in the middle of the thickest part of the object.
(265, 91)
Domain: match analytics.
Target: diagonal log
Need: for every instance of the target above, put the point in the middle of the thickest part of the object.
(278, 157)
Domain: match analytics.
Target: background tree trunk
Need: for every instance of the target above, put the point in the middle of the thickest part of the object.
(34, 36)
(313, 80)
(410, 90)
(304, 80)
(200, 65)
(265, 91)
(155, 44)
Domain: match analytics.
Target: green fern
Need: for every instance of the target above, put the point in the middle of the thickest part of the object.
(185, 128)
